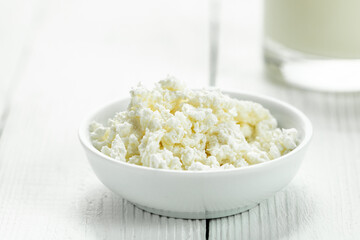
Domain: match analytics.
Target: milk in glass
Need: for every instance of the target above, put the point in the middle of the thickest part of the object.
(313, 43)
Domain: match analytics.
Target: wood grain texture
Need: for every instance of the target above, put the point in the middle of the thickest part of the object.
(322, 202)
(19, 23)
(84, 55)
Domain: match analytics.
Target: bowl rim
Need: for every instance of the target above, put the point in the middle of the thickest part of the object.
(308, 132)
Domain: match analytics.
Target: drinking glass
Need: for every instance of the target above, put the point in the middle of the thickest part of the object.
(313, 44)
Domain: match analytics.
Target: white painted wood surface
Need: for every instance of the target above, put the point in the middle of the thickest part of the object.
(323, 201)
(17, 28)
(84, 53)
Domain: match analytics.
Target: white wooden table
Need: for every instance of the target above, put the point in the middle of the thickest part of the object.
(59, 59)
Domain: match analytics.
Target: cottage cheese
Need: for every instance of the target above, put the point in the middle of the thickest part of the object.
(172, 127)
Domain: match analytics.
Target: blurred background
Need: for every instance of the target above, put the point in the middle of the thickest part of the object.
(111, 45)
(61, 59)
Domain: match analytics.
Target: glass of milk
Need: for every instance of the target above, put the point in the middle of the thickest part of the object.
(313, 44)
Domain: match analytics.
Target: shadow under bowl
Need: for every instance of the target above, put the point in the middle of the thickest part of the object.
(200, 194)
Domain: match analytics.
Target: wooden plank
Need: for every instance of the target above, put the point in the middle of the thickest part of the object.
(84, 55)
(16, 25)
(322, 201)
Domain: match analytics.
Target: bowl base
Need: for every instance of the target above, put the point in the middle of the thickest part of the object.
(197, 215)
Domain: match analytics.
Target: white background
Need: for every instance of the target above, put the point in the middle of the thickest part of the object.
(60, 59)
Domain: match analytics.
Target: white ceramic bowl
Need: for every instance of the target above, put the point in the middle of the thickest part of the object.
(204, 194)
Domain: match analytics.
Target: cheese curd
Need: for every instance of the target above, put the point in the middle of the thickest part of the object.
(173, 127)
